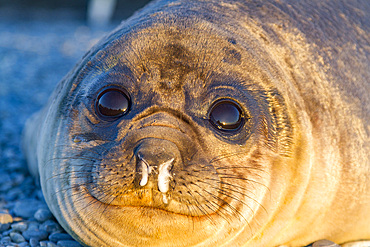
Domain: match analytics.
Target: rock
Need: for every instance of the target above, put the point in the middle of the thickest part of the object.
(24, 244)
(365, 243)
(6, 182)
(4, 227)
(16, 237)
(13, 194)
(5, 241)
(34, 242)
(20, 226)
(5, 218)
(35, 234)
(51, 244)
(27, 208)
(43, 214)
(33, 226)
(68, 243)
(324, 243)
(47, 244)
(6, 233)
(50, 226)
(55, 237)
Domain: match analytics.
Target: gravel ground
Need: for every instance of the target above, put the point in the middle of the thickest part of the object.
(34, 56)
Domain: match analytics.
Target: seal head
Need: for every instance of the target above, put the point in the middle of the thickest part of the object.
(198, 124)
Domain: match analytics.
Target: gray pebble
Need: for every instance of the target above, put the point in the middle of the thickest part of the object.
(5, 218)
(6, 182)
(27, 208)
(24, 244)
(13, 194)
(24, 73)
(35, 234)
(6, 233)
(324, 243)
(39, 195)
(20, 226)
(47, 244)
(55, 237)
(43, 214)
(33, 226)
(5, 240)
(16, 237)
(50, 226)
(4, 227)
(34, 242)
(18, 178)
(68, 243)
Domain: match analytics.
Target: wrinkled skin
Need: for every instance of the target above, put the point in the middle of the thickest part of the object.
(295, 171)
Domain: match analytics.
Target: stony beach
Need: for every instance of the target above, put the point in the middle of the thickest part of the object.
(34, 57)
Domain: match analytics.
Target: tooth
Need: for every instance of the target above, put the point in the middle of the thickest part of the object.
(164, 176)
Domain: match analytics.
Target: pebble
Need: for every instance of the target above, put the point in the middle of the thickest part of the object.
(51, 244)
(55, 237)
(33, 226)
(68, 243)
(14, 194)
(6, 233)
(16, 237)
(43, 214)
(4, 227)
(5, 218)
(35, 234)
(34, 242)
(47, 244)
(5, 240)
(29, 50)
(50, 226)
(324, 243)
(20, 226)
(6, 182)
(27, 208)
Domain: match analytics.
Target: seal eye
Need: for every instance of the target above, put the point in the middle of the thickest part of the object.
(113, 103)
(226, 115)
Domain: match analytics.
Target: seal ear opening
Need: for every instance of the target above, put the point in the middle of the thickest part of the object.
(29, 143)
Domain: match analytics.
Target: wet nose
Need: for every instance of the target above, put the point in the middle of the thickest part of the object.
(155, 159)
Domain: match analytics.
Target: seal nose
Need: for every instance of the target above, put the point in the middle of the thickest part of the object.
(155, 159)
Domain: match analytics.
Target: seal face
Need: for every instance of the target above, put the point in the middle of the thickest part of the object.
(187, 127)
(144, 137)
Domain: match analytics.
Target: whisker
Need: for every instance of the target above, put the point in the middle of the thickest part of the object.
(233, 209)
(226, 156)
(231, 176)
(84, 148)
(200, 207)
(241, 167)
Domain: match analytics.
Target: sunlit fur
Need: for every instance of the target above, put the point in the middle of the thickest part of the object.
(295, 172)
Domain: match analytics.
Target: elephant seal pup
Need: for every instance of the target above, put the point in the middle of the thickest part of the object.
(213, 123)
